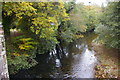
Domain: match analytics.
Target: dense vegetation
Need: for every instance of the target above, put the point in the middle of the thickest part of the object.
(36, 28)
(109, 27)
(39, 27)
(38, 24)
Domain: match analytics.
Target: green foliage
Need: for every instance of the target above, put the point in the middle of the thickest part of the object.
(109, 29)
(92, 16)
(69, 6)
(82, 19)
(39, 22)
(25, 44)
(20, 53)
(19, 62)
(13, 12)
(78, 18)
(18, 9)
(44, 24)
(42, 19)
(46, 21)
(71, 29)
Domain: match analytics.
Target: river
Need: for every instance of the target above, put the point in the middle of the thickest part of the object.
(67, 60)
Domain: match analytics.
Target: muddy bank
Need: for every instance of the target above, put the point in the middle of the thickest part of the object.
(108, 61)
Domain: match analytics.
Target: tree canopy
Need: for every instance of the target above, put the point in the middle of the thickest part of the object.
(109, 30)
(38, 22)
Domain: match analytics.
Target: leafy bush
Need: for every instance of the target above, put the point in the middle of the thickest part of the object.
(20, 53)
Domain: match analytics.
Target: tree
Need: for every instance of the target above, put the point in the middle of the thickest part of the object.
(109, 30)
(38, 22)
(72, 29)
(92, 16)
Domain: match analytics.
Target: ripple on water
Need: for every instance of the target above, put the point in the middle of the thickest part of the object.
(83, 64)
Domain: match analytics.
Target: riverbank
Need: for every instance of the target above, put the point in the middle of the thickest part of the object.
(108, 61)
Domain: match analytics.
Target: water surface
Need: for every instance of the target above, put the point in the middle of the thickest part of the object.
(67, 60)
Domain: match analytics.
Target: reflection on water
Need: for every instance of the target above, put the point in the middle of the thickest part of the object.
(57, 61)
(67, 60)
(83, 64)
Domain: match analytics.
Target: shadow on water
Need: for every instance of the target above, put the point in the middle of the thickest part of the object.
(67, 60)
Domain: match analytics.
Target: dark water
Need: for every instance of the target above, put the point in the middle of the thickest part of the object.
(67, 60)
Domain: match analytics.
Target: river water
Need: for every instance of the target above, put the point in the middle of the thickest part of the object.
(67, 60)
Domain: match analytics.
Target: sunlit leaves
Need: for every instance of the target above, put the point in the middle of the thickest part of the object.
(20, 51)
(26, 44)
(39, 22)
(43, 17)
(49, 16)
(19, 9)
